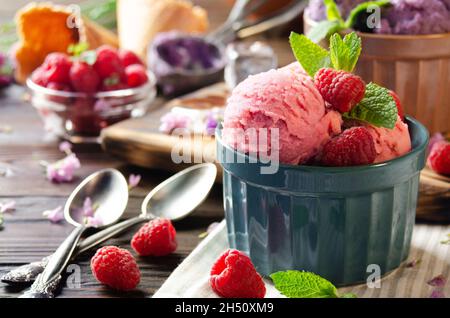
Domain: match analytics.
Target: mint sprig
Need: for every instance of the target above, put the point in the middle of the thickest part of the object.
(344, 53)
(77, 49)
(378, 108)
(335, 21)
(311, 56)
(298, 284)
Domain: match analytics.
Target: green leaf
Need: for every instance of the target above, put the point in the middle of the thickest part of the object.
(77, 49)
(377, 108)
(332, 11)
(296, 284)
(353, 15)
(310, 55)
(344, 53)
(324, 29)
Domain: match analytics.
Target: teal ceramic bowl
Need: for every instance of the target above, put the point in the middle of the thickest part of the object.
(334, 222)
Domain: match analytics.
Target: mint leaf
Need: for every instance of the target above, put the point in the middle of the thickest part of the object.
(310, 55)
(344, 53)
(296, 284)
(332, 10)
(323, 29)
(377, 107)
(351, 20)
(77, 49)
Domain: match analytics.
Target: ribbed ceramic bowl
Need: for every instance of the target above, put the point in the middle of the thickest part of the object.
(331, 221)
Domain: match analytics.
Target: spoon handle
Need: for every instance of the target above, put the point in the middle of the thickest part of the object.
(108, 233)
(48, 280)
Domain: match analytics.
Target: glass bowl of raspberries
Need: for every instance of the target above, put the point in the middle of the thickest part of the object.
(78, 95)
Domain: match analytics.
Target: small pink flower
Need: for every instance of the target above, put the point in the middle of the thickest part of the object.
(435, 139)
(65, 147)
(55, 215)
(438, 281)
(9, 206)
(64, 169)
(171, 121)
(437, 293)
(88, 209)
(133, 180)
(93, 221)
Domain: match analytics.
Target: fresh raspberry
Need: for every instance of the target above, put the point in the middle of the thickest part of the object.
(155, 238)
(136, 75)
(439, 158)
(107, 63)
(84, 78)
(56, 68)
(59, 87)
(401, 113)
(116, 268)
(38, 77)
(234, 276)
(129, 58)
(355, 146)
(340, 89)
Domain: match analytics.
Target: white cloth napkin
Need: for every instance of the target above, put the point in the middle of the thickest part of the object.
(190, 278)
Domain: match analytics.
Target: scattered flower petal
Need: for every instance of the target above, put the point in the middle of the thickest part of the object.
(133, 180)
(65, 147)
(171, 121)
(413, 263)
(438, 281)
(437, 293)
(88, 209)
(55, 215)
(9, 206)
(64, 169)
(93, 221)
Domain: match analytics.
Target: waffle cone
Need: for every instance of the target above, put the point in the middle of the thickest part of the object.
(140, 20)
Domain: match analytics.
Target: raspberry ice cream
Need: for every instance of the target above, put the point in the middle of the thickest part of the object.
(286, 99)
(391, 143)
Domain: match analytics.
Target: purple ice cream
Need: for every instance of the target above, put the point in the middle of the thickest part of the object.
(416, 17)
(316, 8)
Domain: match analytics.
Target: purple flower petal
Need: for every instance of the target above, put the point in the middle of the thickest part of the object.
(171, 121)
(438, 281)
(88, 209)
(63, 170)
(9, 206)
(65, 147)
(435, 139)
(55, 215)
(93, 221)
(437, 293)
(133, 180)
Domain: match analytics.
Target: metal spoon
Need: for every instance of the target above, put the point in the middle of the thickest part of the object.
(108, 189)
(175, 198)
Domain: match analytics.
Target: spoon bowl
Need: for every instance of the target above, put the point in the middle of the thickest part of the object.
(108, 191)
(178, 196)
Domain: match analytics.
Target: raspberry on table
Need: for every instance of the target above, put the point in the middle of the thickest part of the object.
(355, 146)
(439, 158)
(401, 113)
(136, 75)
(129, 58)
(234, 276)
(84, 78)
(342, 90)
(56, 68)
(155, 238)
(116, 268)
(108, 63)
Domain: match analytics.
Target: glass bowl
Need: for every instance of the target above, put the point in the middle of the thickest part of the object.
(80, 117)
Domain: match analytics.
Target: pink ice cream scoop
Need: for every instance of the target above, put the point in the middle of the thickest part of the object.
(391, 143)
(286, 99)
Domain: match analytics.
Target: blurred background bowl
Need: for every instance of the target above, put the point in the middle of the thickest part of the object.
(80, 117)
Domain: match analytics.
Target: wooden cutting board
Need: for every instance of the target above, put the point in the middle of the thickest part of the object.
(139, 141)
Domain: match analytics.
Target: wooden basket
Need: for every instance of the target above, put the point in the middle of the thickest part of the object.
(417, 67)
